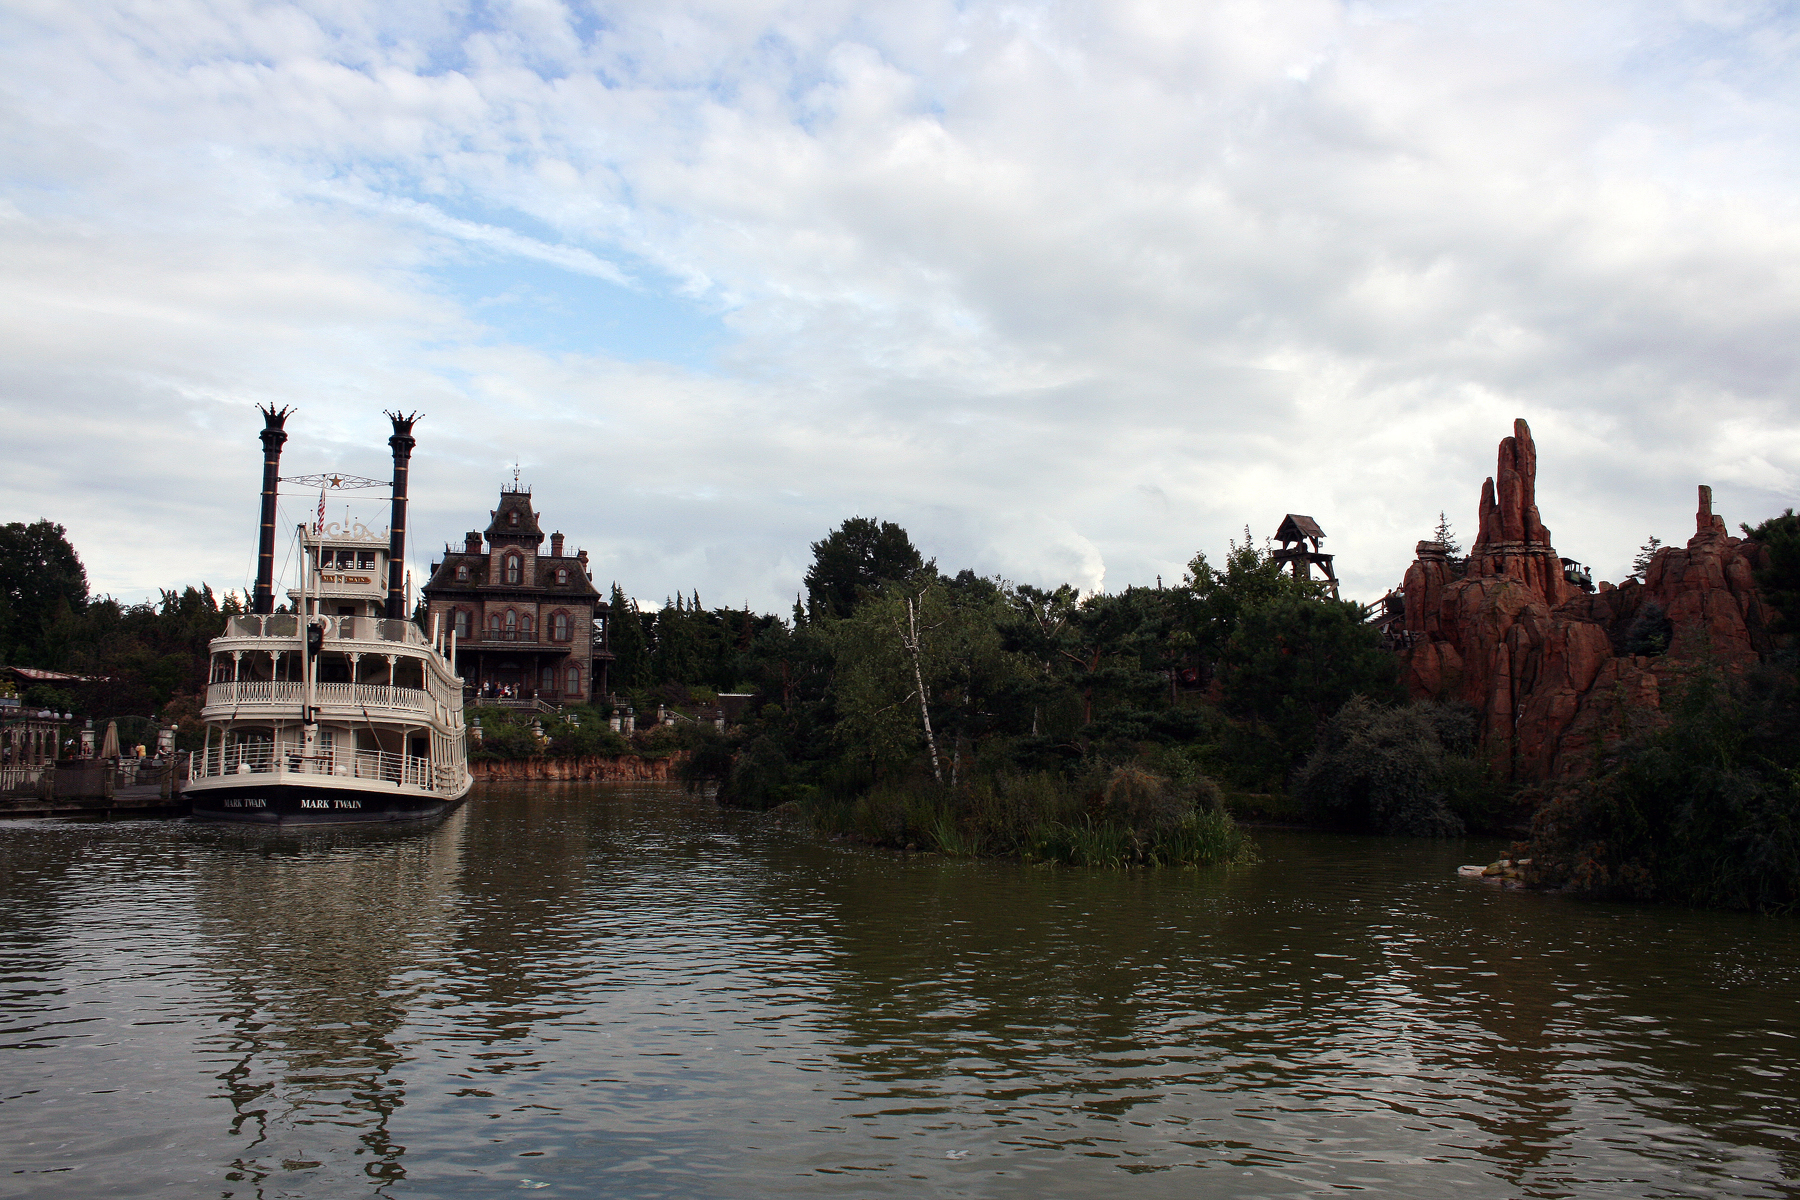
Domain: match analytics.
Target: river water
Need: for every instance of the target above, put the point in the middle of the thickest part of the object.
(592, 990)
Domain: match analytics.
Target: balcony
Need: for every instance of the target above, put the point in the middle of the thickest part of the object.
(291, 694)
(509, 635)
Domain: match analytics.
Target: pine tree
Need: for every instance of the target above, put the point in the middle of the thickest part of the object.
(1446, 535)
(1640, 565)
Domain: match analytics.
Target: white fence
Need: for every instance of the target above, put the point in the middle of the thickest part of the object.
(261, 758)
(326, 695)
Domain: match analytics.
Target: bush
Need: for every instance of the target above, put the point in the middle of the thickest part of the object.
(1390, 769)
(1705, 812)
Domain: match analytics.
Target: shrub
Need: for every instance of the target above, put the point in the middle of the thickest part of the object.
(1705, 812)
(1387, 769)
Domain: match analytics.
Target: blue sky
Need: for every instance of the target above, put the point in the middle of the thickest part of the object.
(1071, 292)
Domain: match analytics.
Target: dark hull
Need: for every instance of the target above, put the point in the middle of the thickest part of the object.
(304, 804)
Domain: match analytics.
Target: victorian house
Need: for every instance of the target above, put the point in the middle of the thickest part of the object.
(528, 623)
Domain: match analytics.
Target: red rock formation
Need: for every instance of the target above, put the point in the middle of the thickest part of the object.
(622, 768)
(1556, 673)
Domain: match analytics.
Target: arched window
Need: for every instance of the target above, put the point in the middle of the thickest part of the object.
(462, 573)
(562, 575)
(512, 620)
(559, 627)
(574, 681)
(512, 518)
(525, 622)
(513, 565)
(494, 625)
(461, 622)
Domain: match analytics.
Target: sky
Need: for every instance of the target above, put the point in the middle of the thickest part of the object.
(1071, 292)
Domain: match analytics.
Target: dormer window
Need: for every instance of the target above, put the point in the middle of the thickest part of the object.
(462, 573)
(512, 518)
(514, 568)
(562, 576)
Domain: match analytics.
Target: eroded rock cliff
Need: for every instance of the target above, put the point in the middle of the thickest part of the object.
(1555, 672)
(622, 768)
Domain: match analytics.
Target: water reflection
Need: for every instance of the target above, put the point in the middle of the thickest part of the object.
(312, 951)
(575, 990)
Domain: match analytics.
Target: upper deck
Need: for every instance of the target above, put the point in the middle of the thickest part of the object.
(257, 632)
(364, 666)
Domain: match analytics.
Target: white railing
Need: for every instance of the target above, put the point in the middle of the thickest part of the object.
(362, 629)
(19, 779)
(260, 758)
(326, 695)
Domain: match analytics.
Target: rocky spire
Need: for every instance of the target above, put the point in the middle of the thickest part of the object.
(1512, 538)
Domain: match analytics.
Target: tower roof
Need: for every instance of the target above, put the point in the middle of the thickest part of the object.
(515, 521)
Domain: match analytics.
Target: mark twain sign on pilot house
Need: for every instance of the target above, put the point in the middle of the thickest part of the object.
(524, 620)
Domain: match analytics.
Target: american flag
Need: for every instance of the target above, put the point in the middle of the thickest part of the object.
(319, 525)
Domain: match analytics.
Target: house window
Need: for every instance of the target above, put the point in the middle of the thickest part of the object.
(559, 627)
(512, 620)
(525, 623)
(512, 518)
(461, 622)
(562, 575)
(513, 572)
(574, 681)
(462, 573)
(549, 684)
(494, 625)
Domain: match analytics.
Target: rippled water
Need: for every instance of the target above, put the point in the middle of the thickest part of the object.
(621, 991)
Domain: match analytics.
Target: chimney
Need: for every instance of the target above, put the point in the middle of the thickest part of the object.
(556, 545)
(402, 443)
(262, 599)
(472, 542)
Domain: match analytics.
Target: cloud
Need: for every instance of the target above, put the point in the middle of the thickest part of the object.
(1072, 293)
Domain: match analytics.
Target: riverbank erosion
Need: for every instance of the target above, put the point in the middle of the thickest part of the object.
(611, 768)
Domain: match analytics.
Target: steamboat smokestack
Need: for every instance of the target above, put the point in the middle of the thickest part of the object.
(403, 443)
(262, 599)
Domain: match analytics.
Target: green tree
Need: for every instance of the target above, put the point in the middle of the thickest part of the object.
(1446, 536)
(1295, 660)
(41, 581)
(855, 560)
(1780, 578)
(630, 644)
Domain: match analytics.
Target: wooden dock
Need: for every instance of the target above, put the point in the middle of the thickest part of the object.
(96, 789)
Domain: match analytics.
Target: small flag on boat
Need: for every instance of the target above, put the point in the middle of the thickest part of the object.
(319, 525)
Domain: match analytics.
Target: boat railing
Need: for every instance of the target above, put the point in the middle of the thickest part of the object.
(325, 695)
(264, 758)
(361, 629)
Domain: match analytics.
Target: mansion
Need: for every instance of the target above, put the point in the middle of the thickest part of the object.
(527, 622)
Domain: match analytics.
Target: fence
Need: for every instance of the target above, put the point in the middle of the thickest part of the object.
(263, 758)
(326, 695)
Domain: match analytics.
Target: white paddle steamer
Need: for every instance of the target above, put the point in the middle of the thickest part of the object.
(340, 710)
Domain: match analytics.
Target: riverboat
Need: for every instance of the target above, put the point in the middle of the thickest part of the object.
(339, 710)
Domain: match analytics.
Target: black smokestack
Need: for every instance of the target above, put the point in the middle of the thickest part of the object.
(403, 444)
(262, 600)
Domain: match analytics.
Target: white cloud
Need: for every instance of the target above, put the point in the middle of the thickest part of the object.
(1069, 292)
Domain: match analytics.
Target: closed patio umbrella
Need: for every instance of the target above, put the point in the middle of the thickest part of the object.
(110, 747)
